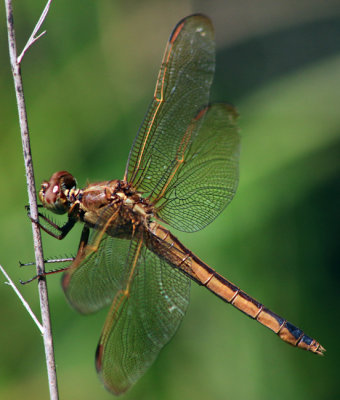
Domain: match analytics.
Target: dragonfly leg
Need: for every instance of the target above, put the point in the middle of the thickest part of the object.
(53, 271)
(64, 230)
(39, 276)
(47, 261)
(83, 240)
(80, 254)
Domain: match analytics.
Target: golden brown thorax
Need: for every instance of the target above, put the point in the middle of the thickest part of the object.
(113, 203)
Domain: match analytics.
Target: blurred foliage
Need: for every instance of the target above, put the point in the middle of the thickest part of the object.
(88, 83)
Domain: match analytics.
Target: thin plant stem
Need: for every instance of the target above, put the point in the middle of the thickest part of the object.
(23, 301)
(33, 38)
(42, 286)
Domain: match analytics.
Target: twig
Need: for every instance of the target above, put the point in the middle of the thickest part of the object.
(34, 38)
(42, 287)
(24, 302)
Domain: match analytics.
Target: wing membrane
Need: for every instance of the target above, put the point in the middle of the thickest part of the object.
(100, 271)
(143, 318)
(92, 282)
(148, 300)
(182, 88)
(206, 181)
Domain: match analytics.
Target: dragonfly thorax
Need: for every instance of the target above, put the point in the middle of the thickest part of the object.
(96, 203)
(115, 206)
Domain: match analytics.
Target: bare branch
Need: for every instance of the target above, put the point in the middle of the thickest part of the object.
(42, 287)
(33, 38)
(23, 301)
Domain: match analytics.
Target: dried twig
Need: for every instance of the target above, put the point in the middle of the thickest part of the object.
(42, 287)
(23, 301)
(33, 38)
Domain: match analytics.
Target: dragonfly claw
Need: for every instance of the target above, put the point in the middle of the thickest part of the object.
(25, 264)
(30, 280)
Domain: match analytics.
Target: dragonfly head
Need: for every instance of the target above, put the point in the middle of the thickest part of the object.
(55, 193)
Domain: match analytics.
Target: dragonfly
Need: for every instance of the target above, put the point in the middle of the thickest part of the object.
(182, 171)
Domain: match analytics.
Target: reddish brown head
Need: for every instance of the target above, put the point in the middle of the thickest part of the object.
(54, 194)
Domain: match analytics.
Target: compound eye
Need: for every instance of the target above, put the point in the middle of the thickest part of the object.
(53, 194)
(67, 181)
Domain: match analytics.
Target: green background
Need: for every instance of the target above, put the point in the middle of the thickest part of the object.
(88, 83)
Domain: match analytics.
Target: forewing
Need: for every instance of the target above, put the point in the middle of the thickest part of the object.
(182, 88)
(207, 179)
(143, 318)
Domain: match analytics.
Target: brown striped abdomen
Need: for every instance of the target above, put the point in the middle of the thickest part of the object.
(167, 246)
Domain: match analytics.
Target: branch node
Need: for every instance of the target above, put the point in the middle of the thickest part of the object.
(33, 38)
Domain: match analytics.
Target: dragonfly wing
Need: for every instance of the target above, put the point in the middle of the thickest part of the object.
(100, 271)
(206, 181)
(143, 318)
(185, 155)
(92, 281)
(182, 88)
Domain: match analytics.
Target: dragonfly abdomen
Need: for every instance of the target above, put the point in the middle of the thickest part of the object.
(251, 307)
(170, 248)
